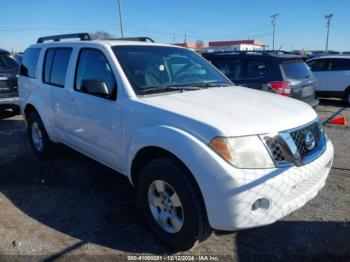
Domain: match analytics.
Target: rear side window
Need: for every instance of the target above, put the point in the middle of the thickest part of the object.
(7, 63)
(29, 62)
(317, 65)
(296, 70)
(256, 69)
(232, 68)
(93, 65)
(339, 64)
(56, 65)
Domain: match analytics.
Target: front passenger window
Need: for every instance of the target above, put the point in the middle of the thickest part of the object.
(94, 67)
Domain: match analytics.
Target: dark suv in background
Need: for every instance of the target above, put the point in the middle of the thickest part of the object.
(9, 69)
(274, 71)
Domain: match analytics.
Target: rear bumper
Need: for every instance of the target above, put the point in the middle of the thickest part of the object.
(9, 101)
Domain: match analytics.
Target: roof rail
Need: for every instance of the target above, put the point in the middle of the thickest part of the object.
(139, 39)
(56, 38)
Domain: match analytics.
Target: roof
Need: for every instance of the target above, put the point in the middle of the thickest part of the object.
(3, 51)
(332, 56)
(236, 42)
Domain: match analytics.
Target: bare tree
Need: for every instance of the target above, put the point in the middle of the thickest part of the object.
(101, 35)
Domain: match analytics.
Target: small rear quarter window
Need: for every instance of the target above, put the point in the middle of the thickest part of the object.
(29, 62)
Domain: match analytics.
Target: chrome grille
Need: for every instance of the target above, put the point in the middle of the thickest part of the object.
(277, 153)
(275, 149)
(298, 137)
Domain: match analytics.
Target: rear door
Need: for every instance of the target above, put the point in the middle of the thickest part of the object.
(319, 68)
(338, 75)
(55, 68)
(301, 79)
(256, 74)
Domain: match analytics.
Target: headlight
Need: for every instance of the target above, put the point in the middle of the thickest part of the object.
(243, 152)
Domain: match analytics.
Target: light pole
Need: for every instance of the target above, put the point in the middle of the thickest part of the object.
(328, 18)
(120, 20)
(274, 29)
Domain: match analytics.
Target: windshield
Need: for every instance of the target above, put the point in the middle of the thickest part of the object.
(157, 68)
(296, 70)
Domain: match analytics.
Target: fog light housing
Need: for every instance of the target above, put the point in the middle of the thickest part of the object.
(261, 205)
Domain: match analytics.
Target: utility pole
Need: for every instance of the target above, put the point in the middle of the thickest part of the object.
(328, 18)
(120, 20)
(274, 29)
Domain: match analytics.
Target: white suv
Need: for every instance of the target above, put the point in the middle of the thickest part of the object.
(333, 76)
(202, 153)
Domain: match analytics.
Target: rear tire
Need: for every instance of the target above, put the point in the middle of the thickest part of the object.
(41, 144)
(182, 222)
(347, 96)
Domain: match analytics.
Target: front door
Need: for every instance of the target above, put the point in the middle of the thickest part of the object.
(94, 120)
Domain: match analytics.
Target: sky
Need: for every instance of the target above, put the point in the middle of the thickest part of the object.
(300, 24)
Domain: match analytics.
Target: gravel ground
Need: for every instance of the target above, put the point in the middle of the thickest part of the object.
(72, 206)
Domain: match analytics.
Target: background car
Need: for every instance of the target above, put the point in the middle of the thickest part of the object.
(274, 71)
(333, 75)
(9, 69)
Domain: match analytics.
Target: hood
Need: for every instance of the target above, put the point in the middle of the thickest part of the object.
(236, 111)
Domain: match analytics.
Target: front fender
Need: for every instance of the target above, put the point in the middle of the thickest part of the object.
(208, 169)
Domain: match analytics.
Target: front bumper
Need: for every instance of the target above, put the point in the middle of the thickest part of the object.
(8, 101)
(286, 189)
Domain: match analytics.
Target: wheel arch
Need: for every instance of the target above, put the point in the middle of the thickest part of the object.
(149, 153)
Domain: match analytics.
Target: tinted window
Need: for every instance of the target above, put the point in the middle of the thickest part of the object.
(256, 69)
(29, 62)
(93, 65)
(59, 66)
(48, 64)
(296, 70)
(7, 63)
(317, 65)
(339, 64)
(232, 68)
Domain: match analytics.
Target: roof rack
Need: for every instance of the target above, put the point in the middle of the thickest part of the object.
(255, 52)
(139, 39)
(56, 38)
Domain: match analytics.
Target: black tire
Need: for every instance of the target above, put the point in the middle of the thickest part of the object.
(195, 226)
(347, 96)
(48, 147)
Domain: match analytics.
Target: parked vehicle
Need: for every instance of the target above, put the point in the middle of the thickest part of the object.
(273, 71)
(202, 153)
(8, 82)
(333, 74)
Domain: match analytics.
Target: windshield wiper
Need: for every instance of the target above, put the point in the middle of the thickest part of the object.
(169, 88)
(207, 84)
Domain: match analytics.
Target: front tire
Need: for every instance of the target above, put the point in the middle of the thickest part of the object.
(171, 204)
(41, 144)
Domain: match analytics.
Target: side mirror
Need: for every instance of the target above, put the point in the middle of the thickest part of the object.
(95, 87)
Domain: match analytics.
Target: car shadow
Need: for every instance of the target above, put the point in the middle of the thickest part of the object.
(334, 102)
(295, 241)
(6, 113)
(72, 194)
